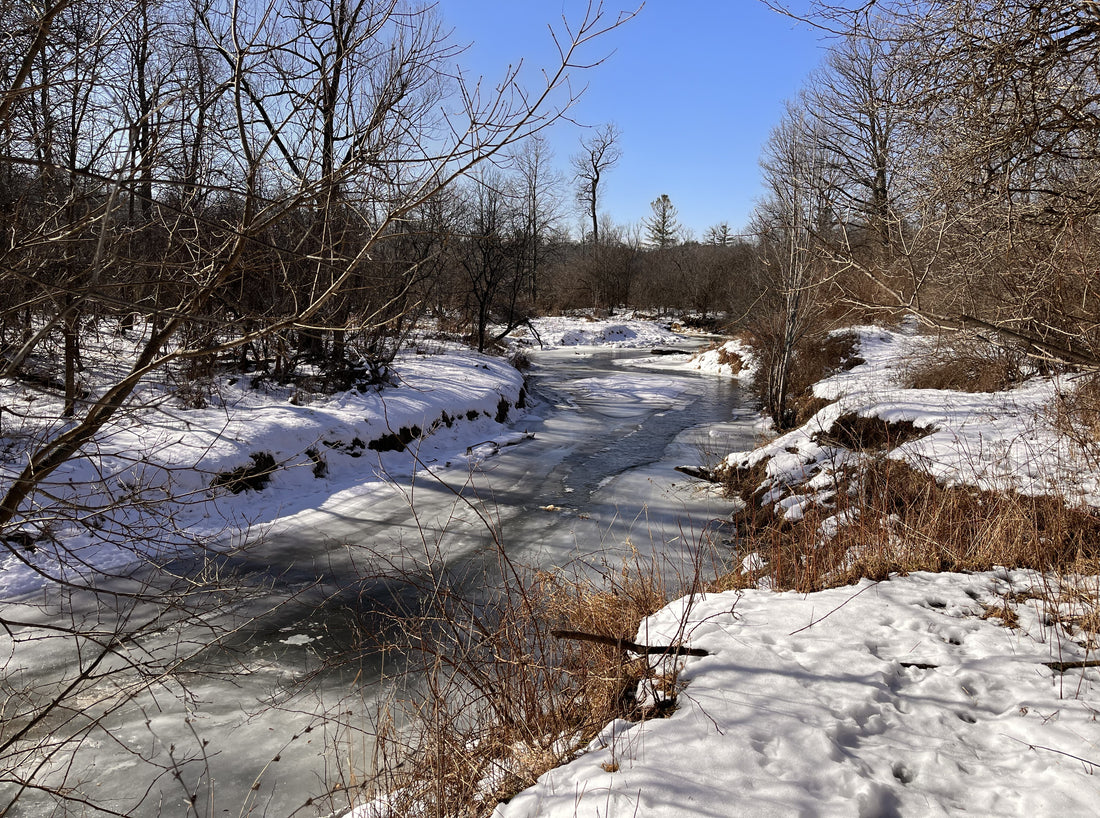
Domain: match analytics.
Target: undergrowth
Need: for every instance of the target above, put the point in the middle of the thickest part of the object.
(887, 517)
(502, 699)
(816, 357)
(965, 364)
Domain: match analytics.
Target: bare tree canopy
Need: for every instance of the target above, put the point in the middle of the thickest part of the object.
(965, 139)
(271, 184)
(599, 152)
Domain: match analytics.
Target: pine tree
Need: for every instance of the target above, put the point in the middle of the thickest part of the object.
(662, 228)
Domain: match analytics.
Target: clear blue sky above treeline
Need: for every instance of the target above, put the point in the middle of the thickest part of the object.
(694, 85)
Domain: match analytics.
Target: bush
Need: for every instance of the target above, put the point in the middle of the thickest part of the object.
(816, 356)
(504, 700)
(966, 364)
(247, 478)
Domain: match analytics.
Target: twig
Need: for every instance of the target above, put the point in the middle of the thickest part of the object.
(834, 610)
(1031, 746)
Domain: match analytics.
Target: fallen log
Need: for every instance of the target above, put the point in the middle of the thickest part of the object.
(633, 647)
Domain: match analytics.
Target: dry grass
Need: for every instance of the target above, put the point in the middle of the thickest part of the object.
(964, 364)
(858, 433)
(1077, 413)
(501, 700)
(891, 518)
(730, 359)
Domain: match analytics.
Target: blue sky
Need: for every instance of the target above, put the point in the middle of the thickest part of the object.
(694, 85)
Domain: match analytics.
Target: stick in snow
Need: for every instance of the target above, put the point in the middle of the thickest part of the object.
(633, 647)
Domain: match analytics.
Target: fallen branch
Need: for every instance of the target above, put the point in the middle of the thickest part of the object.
(633, 647)
(699, 473)
(1062, 667)
(497, 445)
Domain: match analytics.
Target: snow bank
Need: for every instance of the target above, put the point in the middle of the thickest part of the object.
(731, 359)
(997, 440)
(891, 698)
(158, 461)
(625, 332)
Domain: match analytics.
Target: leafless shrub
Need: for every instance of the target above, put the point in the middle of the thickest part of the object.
(814, 358)
(502, 700)
(967, 365)
(1077, 416)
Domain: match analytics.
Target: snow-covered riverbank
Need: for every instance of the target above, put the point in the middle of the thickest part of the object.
(165, 469)
(894, 698)
(927, 694)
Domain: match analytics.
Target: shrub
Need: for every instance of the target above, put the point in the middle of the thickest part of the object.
(966, 364)
(504, 700)
(816, 356)
(247, 478)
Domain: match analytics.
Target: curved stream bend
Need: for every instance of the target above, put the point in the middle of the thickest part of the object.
(596, 478)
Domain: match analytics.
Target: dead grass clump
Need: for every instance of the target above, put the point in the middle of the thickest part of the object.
(835, 352)
(928, 527)
(730, 359)
(1077, 416)
(744, 481)
(891, 518)
(806, 405)
(502, 700)
(816, 358)
(967, 366)
(1004, 611)
(851, 431)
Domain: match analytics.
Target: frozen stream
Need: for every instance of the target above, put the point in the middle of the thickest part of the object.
(595, 480)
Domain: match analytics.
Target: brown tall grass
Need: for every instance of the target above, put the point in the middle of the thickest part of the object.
(890, 517)
(498, 700)
(966, 364)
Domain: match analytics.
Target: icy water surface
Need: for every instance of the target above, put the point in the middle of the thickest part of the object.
(281, 712)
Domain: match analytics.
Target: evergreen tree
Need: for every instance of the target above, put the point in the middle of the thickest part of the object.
(662, 228)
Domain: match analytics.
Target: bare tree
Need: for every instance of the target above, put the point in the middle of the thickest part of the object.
(858, 98)
(540, 185)
(599, 152)
(492, 252)
(995, 102)
(719, 235)
(792, 223)
(342, 126)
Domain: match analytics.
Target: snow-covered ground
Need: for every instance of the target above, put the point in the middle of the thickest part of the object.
(883, 699)
(170, 457)
(1004, 440)
(623, 332)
